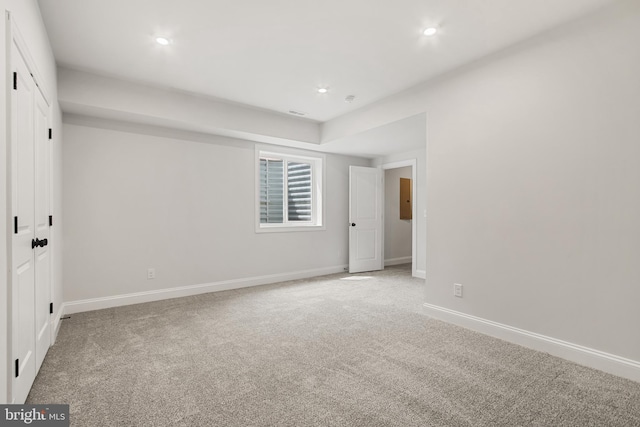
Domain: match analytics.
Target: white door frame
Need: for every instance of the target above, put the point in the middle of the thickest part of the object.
(414, 235)
(42, 227)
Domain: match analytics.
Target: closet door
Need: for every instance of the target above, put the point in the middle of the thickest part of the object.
(23, 209)
(42, 260)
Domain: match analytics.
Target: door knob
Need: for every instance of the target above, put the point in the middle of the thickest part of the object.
(353, 224)
(37, 242)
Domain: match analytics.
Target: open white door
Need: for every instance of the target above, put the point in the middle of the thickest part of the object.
(365, 219)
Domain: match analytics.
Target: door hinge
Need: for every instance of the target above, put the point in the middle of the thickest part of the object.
(50, 220)
(17, 368)
(15, 225)
(50, 133)
(50, 308)
(15, 81)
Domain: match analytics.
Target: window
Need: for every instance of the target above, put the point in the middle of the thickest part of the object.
(289, 191)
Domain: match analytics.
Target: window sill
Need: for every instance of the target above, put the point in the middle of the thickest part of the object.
(274, 228)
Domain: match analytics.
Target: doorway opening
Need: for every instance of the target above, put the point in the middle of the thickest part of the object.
(400, 214)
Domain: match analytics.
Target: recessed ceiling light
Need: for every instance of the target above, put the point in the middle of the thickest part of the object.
(323, 90)
(430, 31)
(162, 40)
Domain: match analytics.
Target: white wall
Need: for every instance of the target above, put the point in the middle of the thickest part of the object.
(89, 94)
(531, 200)
(182, 203)
(397, 232)
(532, 173)
(26, 15)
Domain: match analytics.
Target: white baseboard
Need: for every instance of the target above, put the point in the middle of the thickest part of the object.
(422, 274)
(592, 358)
(397, 261)
(79, 306)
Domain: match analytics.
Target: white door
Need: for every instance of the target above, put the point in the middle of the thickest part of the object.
(42, 254)
(365, 219)
(23, 210)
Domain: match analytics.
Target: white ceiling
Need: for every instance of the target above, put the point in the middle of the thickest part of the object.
(400, 136)
(274, 54)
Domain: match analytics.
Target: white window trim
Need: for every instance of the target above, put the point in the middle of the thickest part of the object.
(318, 164)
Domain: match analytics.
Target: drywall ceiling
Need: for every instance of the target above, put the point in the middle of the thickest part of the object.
(400, 136)
(275, 54)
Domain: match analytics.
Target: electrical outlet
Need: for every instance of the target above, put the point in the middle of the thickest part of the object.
(457, 290)
(151, 273)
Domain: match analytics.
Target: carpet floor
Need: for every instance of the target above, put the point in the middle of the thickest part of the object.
(318, 352)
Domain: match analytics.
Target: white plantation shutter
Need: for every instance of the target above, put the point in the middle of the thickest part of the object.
(299, 191)
(289, 193)
(298, 182)
(271, 191)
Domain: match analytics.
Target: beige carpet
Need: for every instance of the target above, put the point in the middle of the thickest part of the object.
(319, 352)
